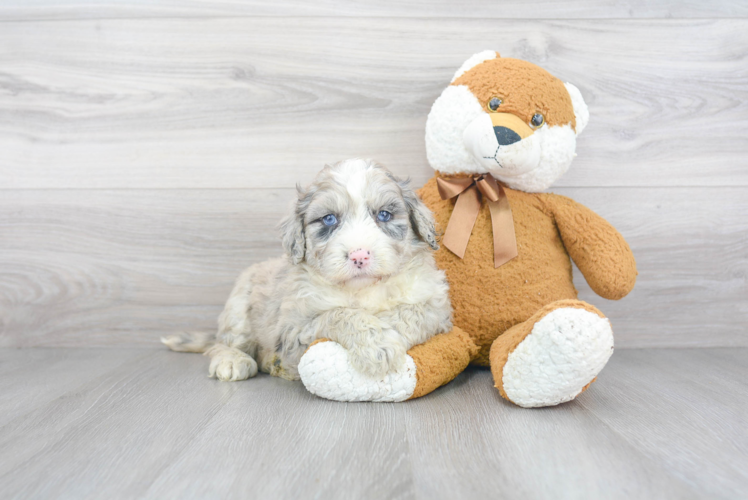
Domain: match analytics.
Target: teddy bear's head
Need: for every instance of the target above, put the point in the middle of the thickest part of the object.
(506, 117)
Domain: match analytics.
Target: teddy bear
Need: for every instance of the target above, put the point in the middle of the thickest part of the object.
(497, 137)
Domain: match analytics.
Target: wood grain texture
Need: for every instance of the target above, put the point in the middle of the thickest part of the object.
(22, 388)
(265, 102)
(128, 423)
(117, 264)
(121, 267)
(657, 424)
(685, 401)
(529, 9)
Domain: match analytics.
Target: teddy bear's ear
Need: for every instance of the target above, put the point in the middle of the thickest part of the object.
(581, 113)
(475, 60)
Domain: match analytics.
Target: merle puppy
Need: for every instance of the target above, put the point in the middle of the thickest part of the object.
(358, 270)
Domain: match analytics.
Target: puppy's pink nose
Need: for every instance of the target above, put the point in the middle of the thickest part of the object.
(360, 258)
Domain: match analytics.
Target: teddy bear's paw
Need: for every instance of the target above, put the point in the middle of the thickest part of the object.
(326, 371)
(561, 356)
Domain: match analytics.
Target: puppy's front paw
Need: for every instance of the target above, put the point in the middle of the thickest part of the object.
(376, 360)
(326, 371)
(228, 364)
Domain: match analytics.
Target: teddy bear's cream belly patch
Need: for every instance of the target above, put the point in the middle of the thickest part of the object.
(488, 301)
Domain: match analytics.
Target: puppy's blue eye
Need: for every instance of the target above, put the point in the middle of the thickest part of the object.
(384, 216)
(329, 220)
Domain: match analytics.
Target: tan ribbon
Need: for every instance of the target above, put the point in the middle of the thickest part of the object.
(468, 191)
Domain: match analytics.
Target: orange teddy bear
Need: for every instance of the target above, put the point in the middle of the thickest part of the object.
(500, 133)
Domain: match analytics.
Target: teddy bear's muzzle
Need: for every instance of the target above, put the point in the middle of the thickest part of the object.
(509, 128)
(502, 144)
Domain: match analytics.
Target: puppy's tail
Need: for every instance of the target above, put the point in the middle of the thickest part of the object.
(190, 341)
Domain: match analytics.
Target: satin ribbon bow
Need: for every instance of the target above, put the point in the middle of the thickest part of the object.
(468, 191)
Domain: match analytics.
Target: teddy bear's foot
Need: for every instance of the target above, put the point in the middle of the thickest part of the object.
(553, 356)
(326, 372)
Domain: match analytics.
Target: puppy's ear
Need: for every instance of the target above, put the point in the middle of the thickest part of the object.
(421, 218)
(292, 230)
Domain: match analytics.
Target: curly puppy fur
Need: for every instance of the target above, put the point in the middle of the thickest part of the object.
(367, 281)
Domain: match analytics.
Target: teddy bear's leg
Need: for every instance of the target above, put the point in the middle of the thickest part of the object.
(552, 357)
(325, 370)
(440, 359)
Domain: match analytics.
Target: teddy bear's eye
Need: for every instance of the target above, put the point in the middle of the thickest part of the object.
(494, 103)
(537, 120)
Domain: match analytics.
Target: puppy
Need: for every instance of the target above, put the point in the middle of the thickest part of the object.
(358, 270)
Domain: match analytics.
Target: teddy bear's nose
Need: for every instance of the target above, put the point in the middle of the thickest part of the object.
(506, 136)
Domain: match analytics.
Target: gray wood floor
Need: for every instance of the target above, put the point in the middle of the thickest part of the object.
(148, 423)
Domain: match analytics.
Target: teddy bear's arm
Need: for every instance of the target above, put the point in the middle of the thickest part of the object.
(600, 252)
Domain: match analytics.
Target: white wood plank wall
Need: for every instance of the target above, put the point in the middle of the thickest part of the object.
(148, 148)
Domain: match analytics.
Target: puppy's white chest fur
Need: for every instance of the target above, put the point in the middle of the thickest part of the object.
(413, 287)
